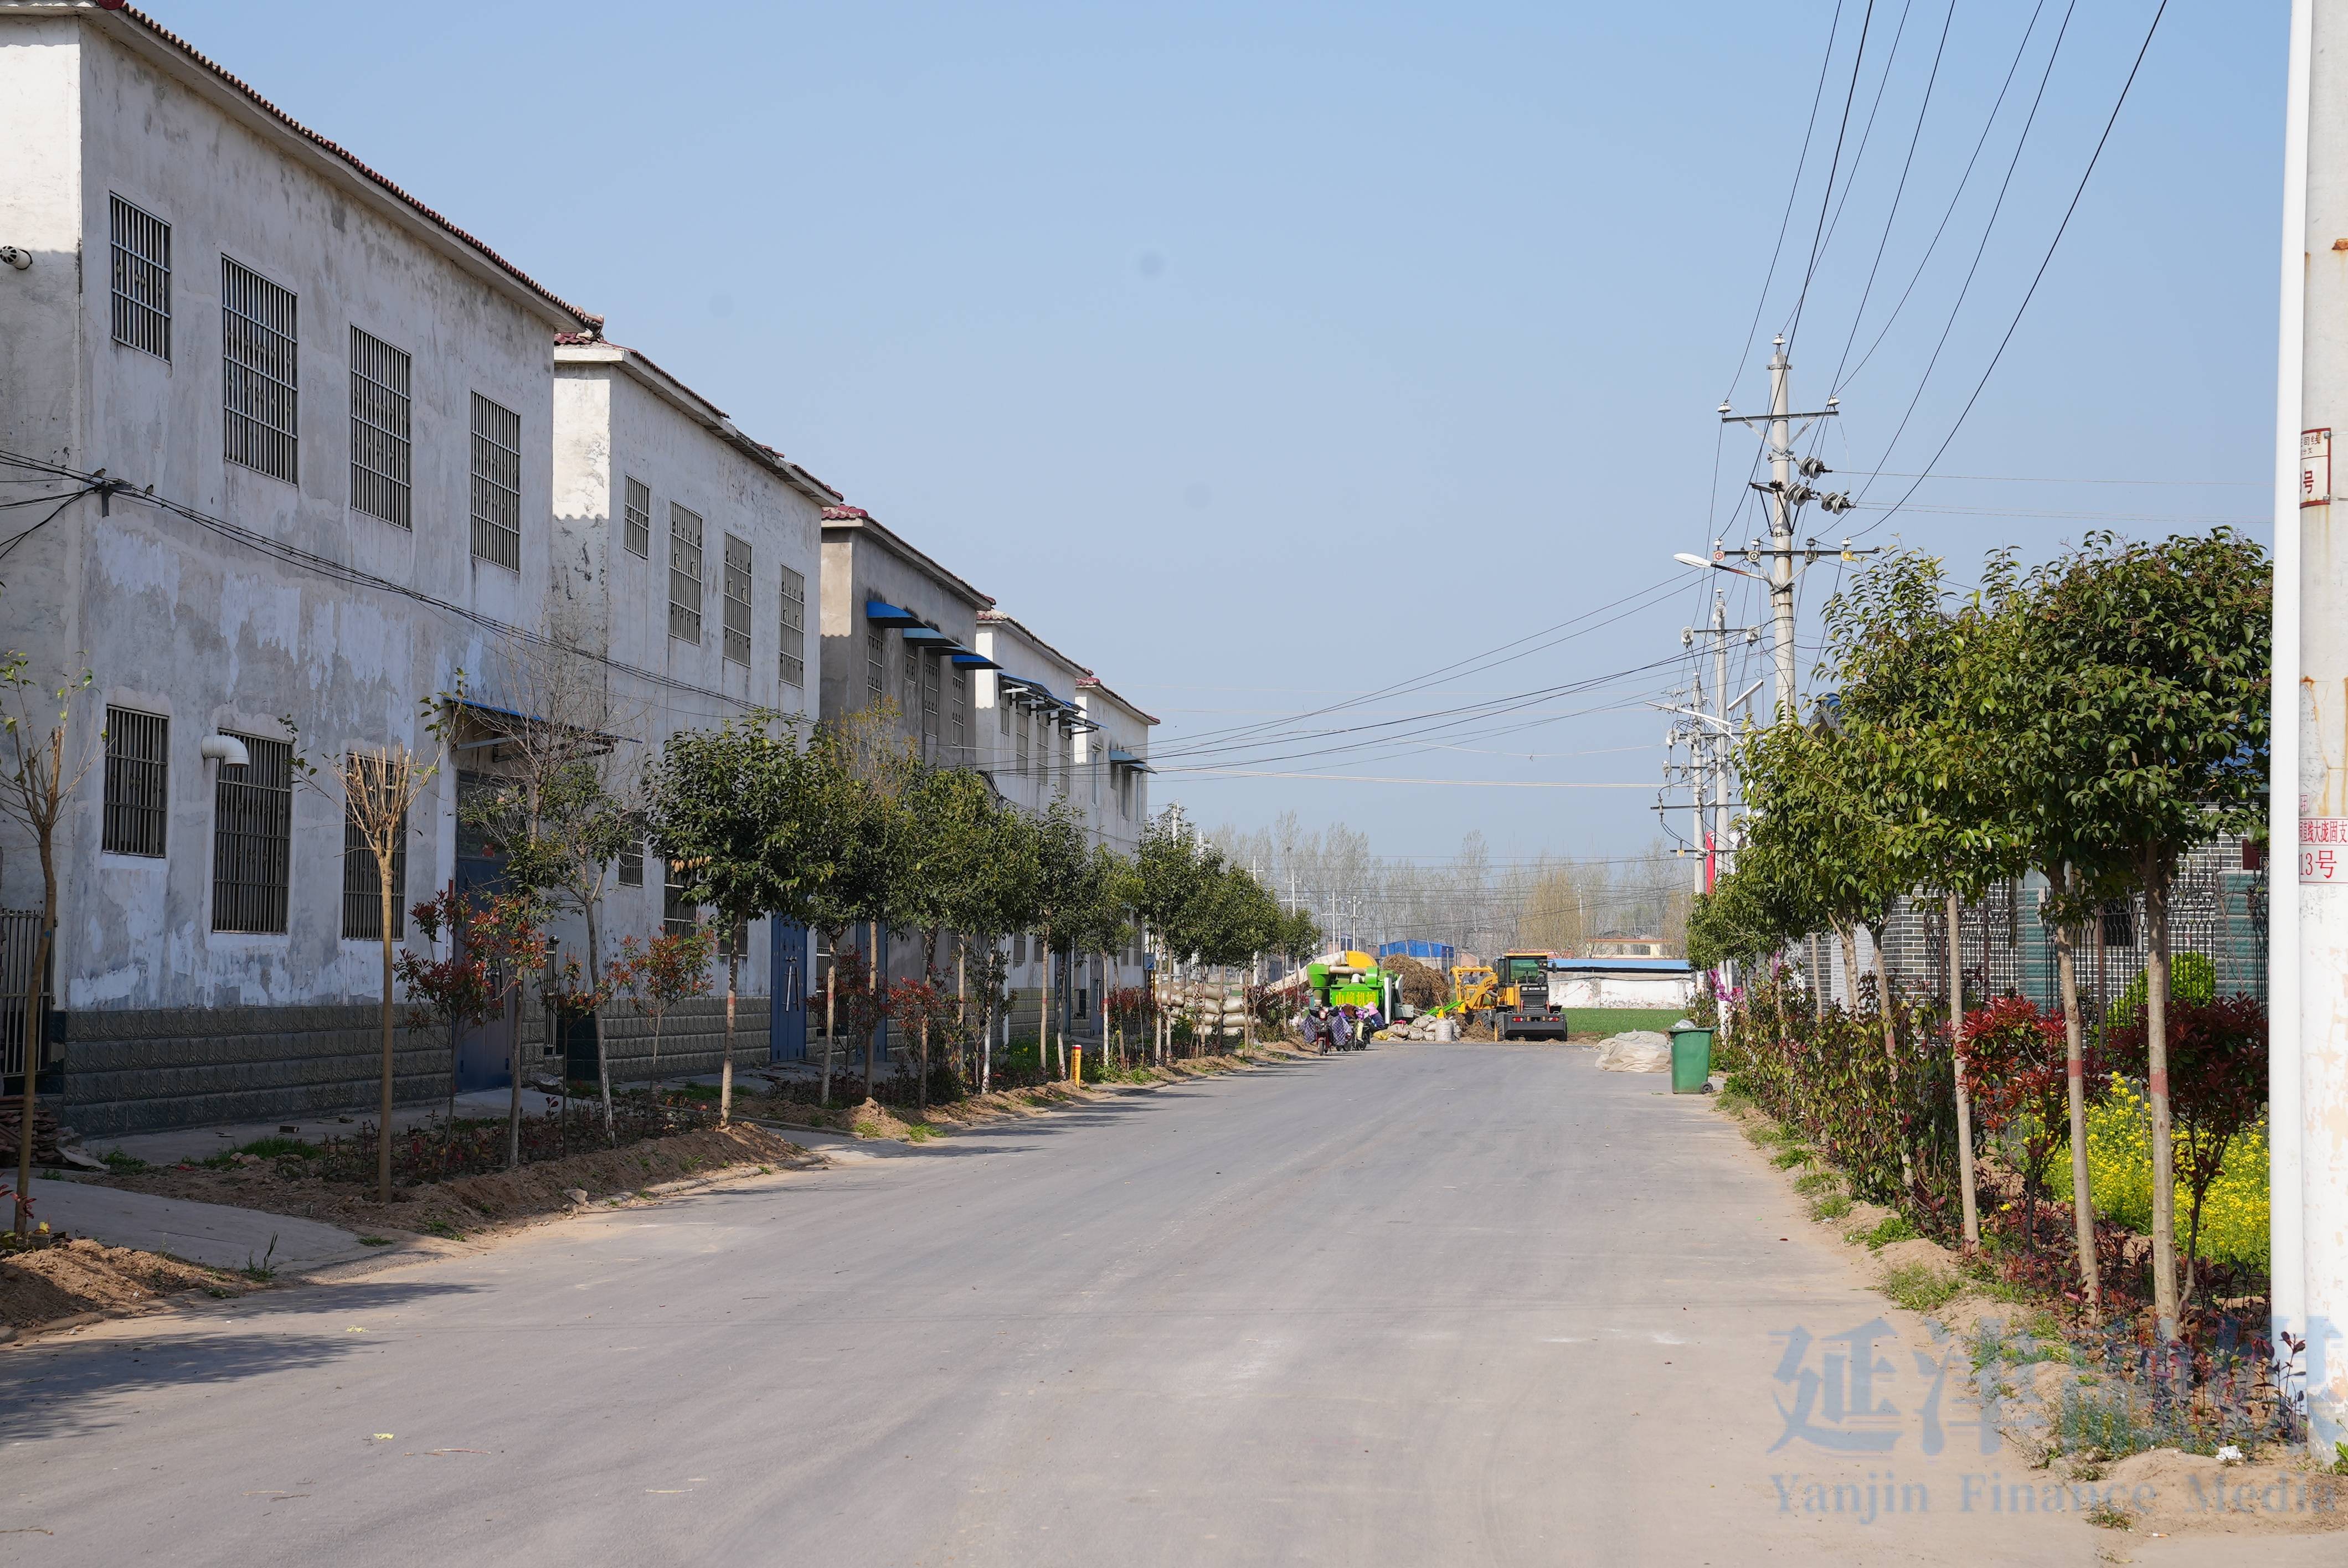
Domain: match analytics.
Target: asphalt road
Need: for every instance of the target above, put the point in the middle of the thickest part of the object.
(1429, 1305)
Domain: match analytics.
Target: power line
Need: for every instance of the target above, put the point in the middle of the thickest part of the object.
(2043, 264)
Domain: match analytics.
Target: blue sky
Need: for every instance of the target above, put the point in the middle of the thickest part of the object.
(1261, 356)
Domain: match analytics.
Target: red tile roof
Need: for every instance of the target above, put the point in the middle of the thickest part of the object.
(150, 26)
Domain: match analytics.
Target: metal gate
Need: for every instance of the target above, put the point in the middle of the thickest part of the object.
(20, 935)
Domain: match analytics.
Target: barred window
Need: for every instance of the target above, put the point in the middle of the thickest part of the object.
(382, 460)
(631, 864)
(876, 664)
(684, 574)
(929, 680)
(252, 838)
(1002, 708)
(142, 278)
(259, 352)
(680, 916)
(912, 700)
(639, 511)
(961, 716)
(737, 600)
(794, 629)
(363, 882)
(1021, 771)
(138, 782)
(497, 484)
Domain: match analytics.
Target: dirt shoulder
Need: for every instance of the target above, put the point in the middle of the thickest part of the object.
(79, 1281)
(475, 1207)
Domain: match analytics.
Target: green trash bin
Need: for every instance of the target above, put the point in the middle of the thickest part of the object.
(1691, 1058)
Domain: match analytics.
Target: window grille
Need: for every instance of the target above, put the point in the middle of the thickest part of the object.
(497, 484)
(911, 701)
(252, 838)
(382, 460)
(142, 278)
(738, 601)
(363, 884)
(1020, 770)
(138, 782)
(2119, 924)
(680, 916)
(684, 574)
(1019, 949)
(961, 716)
(259, 352)
(929, 680)
(794, 629)
(631, 864)
(1002, 708)
(876, 664)
(639, 511)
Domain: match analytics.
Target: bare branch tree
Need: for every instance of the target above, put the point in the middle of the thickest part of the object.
(45, 764)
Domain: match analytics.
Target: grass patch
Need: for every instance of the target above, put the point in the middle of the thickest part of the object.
(443, 1229)
(1791, 1156)
(2110, 1516)
(1732, 1099)
(124, 1165)
(278, 1147)
(1829, 1206)
(919, 1131)
(375, 1241)
(1598, 1023)
(1921, 1287)
(1891, 1228)
(1817, 1181)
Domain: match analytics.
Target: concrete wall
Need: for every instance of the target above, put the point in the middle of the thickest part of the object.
(135, 1069)
(616, 417)
(862, 561)
(176, 619)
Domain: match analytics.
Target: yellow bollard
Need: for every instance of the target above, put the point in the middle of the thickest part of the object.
(1076, 1064)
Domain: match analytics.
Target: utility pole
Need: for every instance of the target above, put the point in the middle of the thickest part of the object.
(1720, 712)
(1789, 490)
(2308, 908)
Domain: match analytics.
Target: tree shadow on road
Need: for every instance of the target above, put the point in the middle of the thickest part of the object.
(77, 1386)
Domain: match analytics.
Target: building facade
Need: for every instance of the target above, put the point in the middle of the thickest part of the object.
(297, 427)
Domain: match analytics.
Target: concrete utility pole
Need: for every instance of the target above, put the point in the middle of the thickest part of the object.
(1720, 711)
(2308, 909)
(1788, 491)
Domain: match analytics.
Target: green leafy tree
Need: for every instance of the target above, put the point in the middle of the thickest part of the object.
(1067, 889)
(727, 807)
(2159, 730)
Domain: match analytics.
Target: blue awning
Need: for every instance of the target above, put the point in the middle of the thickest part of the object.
(1032, 691)
(969, 660)
(929, 642)
(882, 614)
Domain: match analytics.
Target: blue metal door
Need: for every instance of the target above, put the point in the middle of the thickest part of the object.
(787, 1022)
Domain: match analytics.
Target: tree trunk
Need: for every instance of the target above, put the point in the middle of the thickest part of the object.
(2082, 1198)
(921, 1089)
(726, 1068)
(831, 1012)
(873, 981)
(1044, 1018)
(603, 1056)
(2156, 1051)
(383, 1140)
(1957, 1053)
(1890, 1040)
(658, 1017)
(35, 1027)
(962, 1012)
(513, 1081)
(1849, 936)
(1817, 980)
